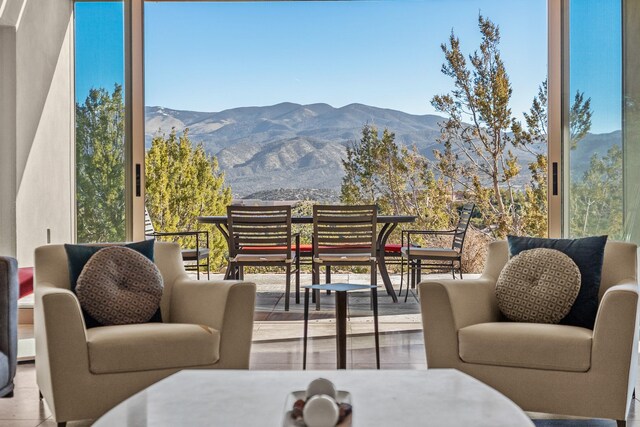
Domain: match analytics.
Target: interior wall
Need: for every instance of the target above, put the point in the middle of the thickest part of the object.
(43, 141)
(7, 141)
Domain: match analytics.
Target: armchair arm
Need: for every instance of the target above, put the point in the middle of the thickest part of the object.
(449, 305)
(62, 360)
(614, 353)
(616, 325)
(225, 305)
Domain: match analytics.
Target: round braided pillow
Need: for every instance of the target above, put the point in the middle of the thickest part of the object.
(538, 285)
(120, 286)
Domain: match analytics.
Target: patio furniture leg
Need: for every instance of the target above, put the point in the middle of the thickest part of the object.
(208, 269)
(383, 236)
(341, 329)
(374, 299)
(298, 280)
(327, 277)
(306, 326)
(287, 291)
(316, 280)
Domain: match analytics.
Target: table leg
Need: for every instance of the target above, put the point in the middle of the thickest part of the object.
(341, 329)
(306, 327)
(383, 236)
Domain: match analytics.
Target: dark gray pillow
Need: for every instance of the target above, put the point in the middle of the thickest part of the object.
(120, 286)
(588, 254)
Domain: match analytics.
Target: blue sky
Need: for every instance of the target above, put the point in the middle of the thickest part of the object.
(213, 56)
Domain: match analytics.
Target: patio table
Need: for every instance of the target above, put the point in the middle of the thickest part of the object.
(389, 223)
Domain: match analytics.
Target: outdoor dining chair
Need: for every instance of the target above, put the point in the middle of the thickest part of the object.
(434, 258)
(344, 235)
(260, 236)
(194, 258)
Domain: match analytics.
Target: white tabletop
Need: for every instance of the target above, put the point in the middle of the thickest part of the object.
(436, 397)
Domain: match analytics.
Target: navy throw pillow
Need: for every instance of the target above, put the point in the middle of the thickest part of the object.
(77, 257)
(588, 254)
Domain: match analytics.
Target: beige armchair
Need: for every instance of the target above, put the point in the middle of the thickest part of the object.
(543, 368)
(82, 373)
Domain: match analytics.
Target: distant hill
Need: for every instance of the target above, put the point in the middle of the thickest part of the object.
(293, 146)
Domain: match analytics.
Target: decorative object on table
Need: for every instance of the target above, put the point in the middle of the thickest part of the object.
(320, 405)
(538, 365)
(588, 254)
(209, 328)
(344, 235)
(538, 285)
(9, 323)
(341, 290)
(429, 258)
(260, 236)
(119, 286)
(189, 255)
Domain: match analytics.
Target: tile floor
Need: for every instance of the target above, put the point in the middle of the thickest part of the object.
(277, 345)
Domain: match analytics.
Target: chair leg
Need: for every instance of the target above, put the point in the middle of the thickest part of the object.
(198, 269)
(240, 272)
(453, 272)
(297, 280)
(287, 291)
(208, 269)
(411, 277)
(401, 275)
(316, 280)
(327, 277)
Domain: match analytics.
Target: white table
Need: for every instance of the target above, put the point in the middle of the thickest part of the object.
(437, 397)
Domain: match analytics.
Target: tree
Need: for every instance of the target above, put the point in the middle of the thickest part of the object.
(477, 126)
(535, 202)
(182, 183)
(397, 179)
(596, 200)
(100, 167)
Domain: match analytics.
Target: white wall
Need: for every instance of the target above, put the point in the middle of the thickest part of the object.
(39, 139)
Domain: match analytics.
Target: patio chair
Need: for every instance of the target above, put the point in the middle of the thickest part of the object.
(189, 255)
(343, 235)
(435, 258)
(260, 236)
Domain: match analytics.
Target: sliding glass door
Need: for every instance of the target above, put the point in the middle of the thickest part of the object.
(594, 146)
(100, 121)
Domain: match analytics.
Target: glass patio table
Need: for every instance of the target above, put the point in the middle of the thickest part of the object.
(389, 224)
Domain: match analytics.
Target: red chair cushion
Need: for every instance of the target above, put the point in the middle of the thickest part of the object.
(25, 277)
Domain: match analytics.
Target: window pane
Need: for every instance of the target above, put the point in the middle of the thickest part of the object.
(595, 119)
(99, 86)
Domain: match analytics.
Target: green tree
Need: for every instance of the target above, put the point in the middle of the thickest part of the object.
(535, 204)
(182, 183)
(100, 167)
(397, 179)
(477, 127)
(596, 200)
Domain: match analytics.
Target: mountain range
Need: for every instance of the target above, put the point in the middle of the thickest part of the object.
(294, 146)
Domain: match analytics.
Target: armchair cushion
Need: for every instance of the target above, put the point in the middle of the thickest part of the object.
(150, 346)
(538, 285)
(588, 254)
(79, 255)
(527, 345)
(119, 286)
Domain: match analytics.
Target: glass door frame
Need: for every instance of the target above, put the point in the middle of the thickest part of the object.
(134, 116)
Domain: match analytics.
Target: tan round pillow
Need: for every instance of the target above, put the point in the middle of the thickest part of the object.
(538, 285)
(120, 286)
